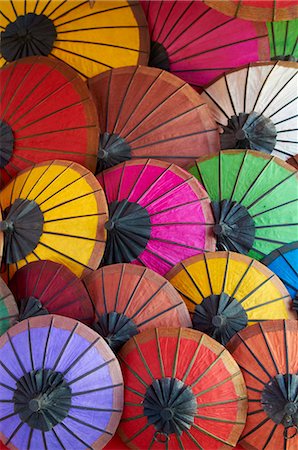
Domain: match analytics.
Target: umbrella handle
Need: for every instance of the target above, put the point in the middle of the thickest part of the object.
(293, 435)
(163, 438)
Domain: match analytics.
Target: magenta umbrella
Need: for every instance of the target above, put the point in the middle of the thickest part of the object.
(158, 215)
(198, 43)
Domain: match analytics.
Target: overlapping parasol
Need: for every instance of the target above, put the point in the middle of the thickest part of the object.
(284, 262)
(129, 299)
(55, 210)
(198, 43)
(61, 386)
(283, 38)
(256, 106)
(254, 197)
(182, 390)
(46, 112)
(111, 34)
(267, 356)
(225, 292)
(8, 308)
(158, 215)
(46, 287)
(149, 113)
(259, 10)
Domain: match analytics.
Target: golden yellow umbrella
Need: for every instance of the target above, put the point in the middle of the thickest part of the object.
(111, 34)
(54, 210)
(226, 291)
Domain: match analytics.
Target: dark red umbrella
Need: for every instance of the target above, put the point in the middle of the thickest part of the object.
(46, 287)
(46, 112)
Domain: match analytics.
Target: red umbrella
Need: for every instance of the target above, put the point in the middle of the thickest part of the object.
(146, 112)
(198, 43)
(46, 113)
(46, 287)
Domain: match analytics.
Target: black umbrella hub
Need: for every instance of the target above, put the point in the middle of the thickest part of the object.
(129, 230)
(249, 131)
(42, 398)
(29, 35)
(234, 227)
(169, 405)
(112, 150)
(22, 226)
(220, 316)
(6, 143)
(115, 328)
(158, 56)
(31, 307)
(280, 401)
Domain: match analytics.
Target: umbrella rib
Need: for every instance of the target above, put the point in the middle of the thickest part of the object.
(89, 425)
(91, 371)
(193, 439)
(16, 354)
(276, 225)
(175, 138)
(178, 244)
(158, 256)
(102, 28)
(70, 10)
(220, 383)
(70, 200)
(191, 202)
(134, 391)
(81, 355)
(255, 357)
(40, 274)
(216, 104)
(201, 70)
(270, 161)
(175, 361)
(166, 122)
(171, 190)
(58, 439)
(8, 317)
(149, 300)
(159, 314)
(255, 428)
(274, 207)
(65, 346)
(134, 291)
(44, 440)
(102, 44)
(197, 427)
(89, 408)
(73, 236)
(6, 386)
(90, 391)
(282, 107)
(119, 287)
(30, 345)
(47, 343)
(82, 56)
(132, 371)
(75, 436)
(194, 357)
(156, 17)
(193, 280)
(253, 291)
(14, 432)
(161, 364)
(88, 15)
(286, 348)
(45, 7)
(271, 433)
(261, 88)
(216, 419)
(143, 359)
(62, 130)
(156, 181)
(267, 303)
(74, 68)
(75, 217)
(207, 370)
(208, 274)
(224, 402)
(144, 428)
(176, 22)
(5, 17)
(230, 96)
(46, 169)
(272, 241)
(273, 38)
(30, 437)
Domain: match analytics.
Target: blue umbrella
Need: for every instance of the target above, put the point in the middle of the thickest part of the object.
(284, 262)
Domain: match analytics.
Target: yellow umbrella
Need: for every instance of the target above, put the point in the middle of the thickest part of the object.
(226, 291)
(54, 210)
(91, 40)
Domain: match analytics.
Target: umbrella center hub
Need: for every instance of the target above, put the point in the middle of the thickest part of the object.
(129, 230)
(220, 316)
(42, 398)
(28, 35)
(279, 399)
(158, 56)
(113, 149)
(6, 143)
(249, 131)
(234, 227)
(170, 406)
(31, 307)
(23, 227)
(115, 328)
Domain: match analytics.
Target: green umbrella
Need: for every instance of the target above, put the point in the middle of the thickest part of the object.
(283, 38)
(254, 200)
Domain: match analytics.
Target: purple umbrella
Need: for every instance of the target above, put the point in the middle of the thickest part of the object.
(61, 386)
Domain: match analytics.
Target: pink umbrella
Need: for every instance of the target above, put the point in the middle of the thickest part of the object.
(159, 215)
(198, 43)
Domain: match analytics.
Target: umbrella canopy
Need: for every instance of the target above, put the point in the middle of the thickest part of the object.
(225, 292)
(182, 390)
(46, 287)
(283, 38)
(55, 210)
(8, 308)
(198, 43)
(284, 262)
(61, 386)
(146, 112)
(46, 112)
(259, 10)
(159, 215)
(256, 106)
(254, 197)
(89, 40)
(267, 355)
(129, 299)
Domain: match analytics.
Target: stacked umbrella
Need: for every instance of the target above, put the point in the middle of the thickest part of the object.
(148, 225)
